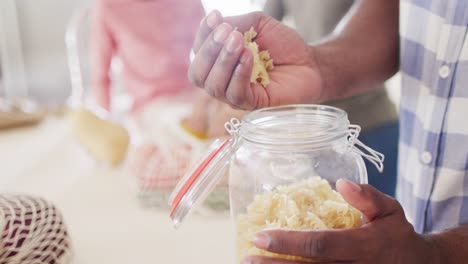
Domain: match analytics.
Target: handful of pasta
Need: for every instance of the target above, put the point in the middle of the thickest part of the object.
(308, 205)
(262, 62)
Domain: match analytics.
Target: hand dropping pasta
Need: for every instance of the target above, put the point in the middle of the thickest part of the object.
(262, 62)
(308, 205)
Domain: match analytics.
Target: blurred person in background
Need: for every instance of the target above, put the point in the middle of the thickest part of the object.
(153, 40)
(373, 111)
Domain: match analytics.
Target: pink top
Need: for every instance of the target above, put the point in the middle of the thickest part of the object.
(153, 39)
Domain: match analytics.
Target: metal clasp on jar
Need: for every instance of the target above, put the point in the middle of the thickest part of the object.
(232, 127)
(355, 145)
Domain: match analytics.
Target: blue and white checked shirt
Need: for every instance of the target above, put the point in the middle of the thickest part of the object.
(433, 163)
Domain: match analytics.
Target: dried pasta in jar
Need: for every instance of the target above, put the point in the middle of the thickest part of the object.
(311, 204)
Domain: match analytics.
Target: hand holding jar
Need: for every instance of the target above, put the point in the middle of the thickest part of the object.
(286, 169)
(387, 237)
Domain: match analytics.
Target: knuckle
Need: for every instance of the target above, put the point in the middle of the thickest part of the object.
(212, 48)
(220, 94)
(195, 77)
(316, 246)
(236, 107)
(214, 90)
(395, 204)
(242, 72)
(210, 92)
(226, 61)
(235, 98)
(278, 243)
(230, 56)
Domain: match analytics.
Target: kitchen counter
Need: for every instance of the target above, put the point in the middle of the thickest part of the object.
(99, 204)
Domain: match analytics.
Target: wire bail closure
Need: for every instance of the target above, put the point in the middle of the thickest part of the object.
(354, 144)
(367, 152)
(233, 126)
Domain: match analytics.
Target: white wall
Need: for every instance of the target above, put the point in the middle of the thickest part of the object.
(230, 8)
(10, 48)
(42, 27)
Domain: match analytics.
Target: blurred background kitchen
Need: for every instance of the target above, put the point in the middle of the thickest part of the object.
(109, 212)
(33, 47)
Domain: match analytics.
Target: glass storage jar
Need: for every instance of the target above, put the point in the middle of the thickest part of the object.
(283, 164)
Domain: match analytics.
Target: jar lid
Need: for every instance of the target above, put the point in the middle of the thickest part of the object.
(199, 182)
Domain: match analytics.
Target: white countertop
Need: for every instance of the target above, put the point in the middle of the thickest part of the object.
(99, 204)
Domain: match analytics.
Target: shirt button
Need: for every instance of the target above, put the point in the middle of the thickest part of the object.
(444, 71)
(426, 157)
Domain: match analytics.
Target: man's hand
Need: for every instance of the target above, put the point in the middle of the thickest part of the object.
(222, 66)
(387, 237)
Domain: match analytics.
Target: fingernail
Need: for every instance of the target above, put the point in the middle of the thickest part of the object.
(244, 57)
(351, 185)
(262, 240)
(233, 43)
(221, 33)
(212, 19)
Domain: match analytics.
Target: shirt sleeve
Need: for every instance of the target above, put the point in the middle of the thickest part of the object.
(102, 47)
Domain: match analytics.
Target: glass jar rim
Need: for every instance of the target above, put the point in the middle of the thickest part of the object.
(292, 125)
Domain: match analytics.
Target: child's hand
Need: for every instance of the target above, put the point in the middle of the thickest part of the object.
(209, 116)
(103, 98)
(223, 113)
(197, 121)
